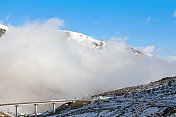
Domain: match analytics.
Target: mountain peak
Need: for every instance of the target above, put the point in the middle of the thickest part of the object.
(3, 29)
(81, 37)
(96, 43)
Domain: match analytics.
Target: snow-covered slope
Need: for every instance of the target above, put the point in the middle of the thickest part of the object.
(3, 29)
(81, 37)
(93, 43)
(153, 99)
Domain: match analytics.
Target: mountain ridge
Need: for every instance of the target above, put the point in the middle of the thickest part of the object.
(96, 43)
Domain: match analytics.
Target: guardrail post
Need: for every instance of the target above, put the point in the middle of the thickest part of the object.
(35, 109)
(16, 110)
(54, 107)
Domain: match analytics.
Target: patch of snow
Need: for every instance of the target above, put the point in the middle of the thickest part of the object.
(3, 27)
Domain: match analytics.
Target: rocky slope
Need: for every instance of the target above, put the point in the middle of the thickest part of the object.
(153, 99)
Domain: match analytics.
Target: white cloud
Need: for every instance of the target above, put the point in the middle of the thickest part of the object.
(171, 58)
(161, 52)
(1, 21)
(174, 13)
(120, 39)
(147, 49)
(97, 22)
(148, 19)
(7, 18)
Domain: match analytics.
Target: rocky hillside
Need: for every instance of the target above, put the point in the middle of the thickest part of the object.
(153, 99)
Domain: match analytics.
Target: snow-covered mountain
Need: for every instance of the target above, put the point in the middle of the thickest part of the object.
(95, 43)
(92, 42)
(81, 37)
(153, 99)
(3, 29)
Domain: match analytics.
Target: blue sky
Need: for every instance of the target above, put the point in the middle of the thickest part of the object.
(145, 22)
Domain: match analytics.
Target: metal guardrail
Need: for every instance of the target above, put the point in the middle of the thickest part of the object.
(53, 102)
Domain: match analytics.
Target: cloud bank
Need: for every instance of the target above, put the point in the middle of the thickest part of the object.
(38, 63)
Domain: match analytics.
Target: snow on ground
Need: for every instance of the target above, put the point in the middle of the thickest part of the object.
(3, 27)
(156, 99)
